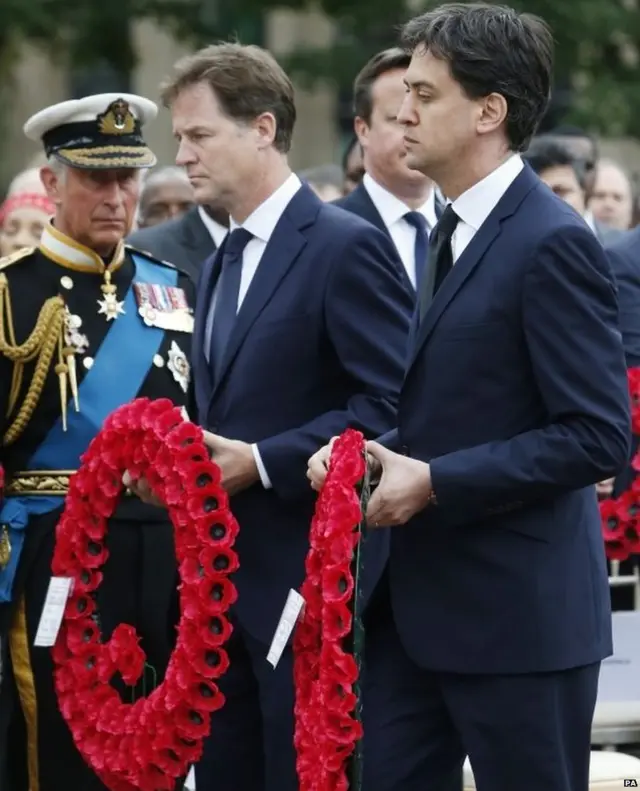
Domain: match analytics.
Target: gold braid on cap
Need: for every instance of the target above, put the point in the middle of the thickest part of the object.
(46, 338)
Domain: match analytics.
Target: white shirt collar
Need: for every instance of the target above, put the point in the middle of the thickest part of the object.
(65, 251)
(391, 208)
(590, 220)
(476, 204)
(216, 231)
(262, 222)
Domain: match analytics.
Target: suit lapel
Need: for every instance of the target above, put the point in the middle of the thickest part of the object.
(282, 250)
(369, 212)
(196, 236)
(368, 209)
(472, 255)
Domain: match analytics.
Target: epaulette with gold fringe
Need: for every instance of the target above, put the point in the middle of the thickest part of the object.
(45, 339)
(8, 260)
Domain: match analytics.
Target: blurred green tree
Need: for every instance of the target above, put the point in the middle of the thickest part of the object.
(597, 41)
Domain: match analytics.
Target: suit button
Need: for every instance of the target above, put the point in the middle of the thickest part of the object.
(404, 450)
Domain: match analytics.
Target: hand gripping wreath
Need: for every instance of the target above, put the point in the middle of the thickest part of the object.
(325, 672)
(148, 744)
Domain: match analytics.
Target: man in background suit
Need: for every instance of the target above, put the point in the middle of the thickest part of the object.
(186, 240)
(513, 406)
(301, 331)
(399, 201)
(584, 147)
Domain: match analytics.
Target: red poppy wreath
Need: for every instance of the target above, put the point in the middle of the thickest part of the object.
(620, 516)
(325, 673)
(150, 743)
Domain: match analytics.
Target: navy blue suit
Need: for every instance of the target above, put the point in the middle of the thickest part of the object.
(359, 202)
(319, 345)
(624, 256)
(499, 616)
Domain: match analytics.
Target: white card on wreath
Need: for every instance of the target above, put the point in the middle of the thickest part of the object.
(292, 609)
(51, 619)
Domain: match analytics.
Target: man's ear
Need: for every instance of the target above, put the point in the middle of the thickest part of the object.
(51, 181)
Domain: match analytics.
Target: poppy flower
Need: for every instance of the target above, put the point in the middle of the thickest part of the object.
(184, 435)
(126, 654)
(82, 636)
(218, 560)
(610, 519)
(217, 528)
(190, 723)
(337, 583)
(627, 506)
(204, 696)
(337, 621)
(216, 594)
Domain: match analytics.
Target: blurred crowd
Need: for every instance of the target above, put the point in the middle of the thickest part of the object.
(567, 159)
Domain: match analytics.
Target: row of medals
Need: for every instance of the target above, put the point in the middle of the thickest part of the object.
(111, 308)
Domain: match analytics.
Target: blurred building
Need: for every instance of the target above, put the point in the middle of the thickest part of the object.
(38, 81)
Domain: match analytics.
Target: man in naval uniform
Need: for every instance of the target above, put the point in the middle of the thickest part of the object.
(106, 324)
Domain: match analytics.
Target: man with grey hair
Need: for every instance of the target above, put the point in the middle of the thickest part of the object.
(94, 312)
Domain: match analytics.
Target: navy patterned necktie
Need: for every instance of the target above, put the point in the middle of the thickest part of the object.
(439, 258)
(227, 295)
(421, 245)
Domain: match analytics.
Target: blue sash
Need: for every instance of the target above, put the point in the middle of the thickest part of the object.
(108, 385)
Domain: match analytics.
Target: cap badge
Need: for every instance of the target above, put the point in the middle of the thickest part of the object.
(117, 119)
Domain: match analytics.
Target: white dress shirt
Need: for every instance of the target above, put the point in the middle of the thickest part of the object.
(216, 231)
(392, 211)
(261, 223)
(476, 204)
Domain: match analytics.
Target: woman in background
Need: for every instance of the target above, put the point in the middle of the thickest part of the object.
(23, 217)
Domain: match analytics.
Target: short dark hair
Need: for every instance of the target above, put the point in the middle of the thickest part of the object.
(382, 63)
(492, 49)
(566, 130)
(246, 80)
(546, 152)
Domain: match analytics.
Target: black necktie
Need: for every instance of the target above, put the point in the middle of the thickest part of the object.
(419, 222)
(439, 257)
(438, 203)
(227, 293)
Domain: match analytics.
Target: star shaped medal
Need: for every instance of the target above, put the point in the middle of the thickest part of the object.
(110, 306)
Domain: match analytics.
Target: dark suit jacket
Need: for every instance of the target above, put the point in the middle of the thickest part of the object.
(183, 241)
(319, 345)
(516, 394)
(624, 256)
(359, 202)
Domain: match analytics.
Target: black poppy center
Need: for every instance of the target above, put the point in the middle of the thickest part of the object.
(217, 592)
(342, 585)
(90, 663)
(204, 479)
(612, 523)
(188, 441)
(205, 691)
(85, 577)
(87, 635)
(221, 562)
(173, 755)
(195, 718)
(217, 531)
(94, 548)
(210, 504)
(212, 658)
(215, 627)
(82, 605)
